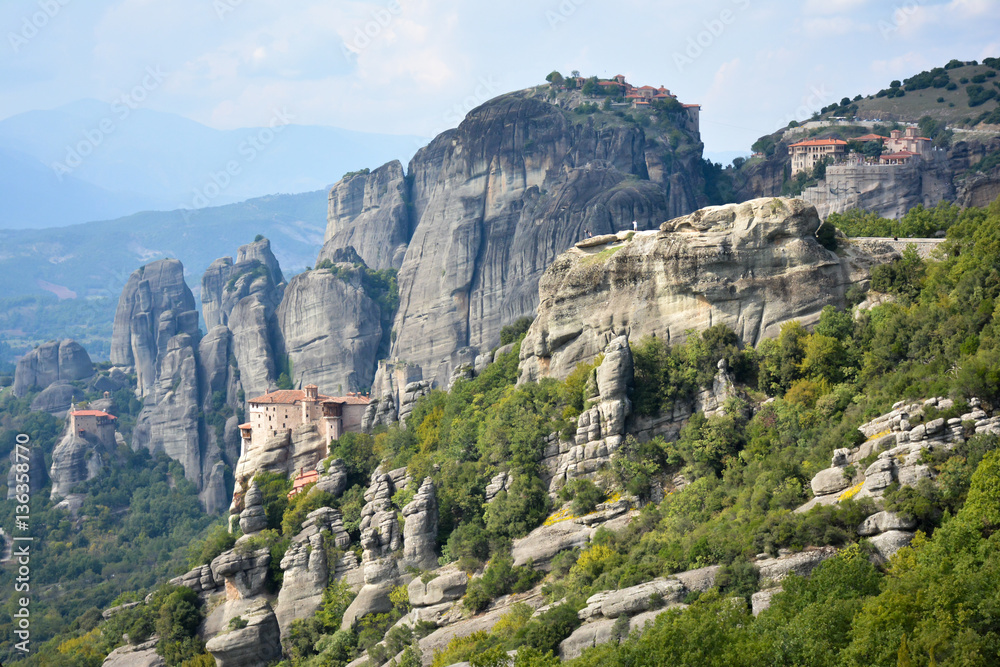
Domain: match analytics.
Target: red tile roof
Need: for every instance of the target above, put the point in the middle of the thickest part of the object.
(247, 425)
(871, 137)
(284, 397)
(302, 481)
(92, 413)
(820, 142)
(349, 400)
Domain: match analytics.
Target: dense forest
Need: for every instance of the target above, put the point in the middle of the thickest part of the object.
(936, 333)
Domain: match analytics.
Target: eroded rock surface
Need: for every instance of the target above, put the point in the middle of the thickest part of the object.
(752, 266)
(55, 361)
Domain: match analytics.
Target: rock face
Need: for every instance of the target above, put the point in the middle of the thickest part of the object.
(486, 207)
(380, 537)
(55, 361)
(253, 327)
(307, 570)
(170, 420)
(330, 330)
(76, 459)
(368, 212)
(155, 305)
(601, 429)
(252, 519)
(256, 644)
(56, 399)
(420, 529)
(751, 266)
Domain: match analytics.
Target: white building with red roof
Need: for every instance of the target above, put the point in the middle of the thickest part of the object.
(279, 412)
(805, 154)
(93, 425)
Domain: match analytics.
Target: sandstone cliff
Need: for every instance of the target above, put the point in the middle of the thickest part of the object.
(485, 208)
(368, 211)
(330, 330)
(155, 305)
(750, 266)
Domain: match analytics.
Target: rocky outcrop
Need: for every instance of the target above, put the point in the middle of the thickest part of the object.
(331, 347)
(420, 529)
(306, 568)
(55, 361)
(169, 422)
(368, 212)
(252, 518)
(887, 190)
(256, 356)
(155, 305)
(751, 266)
(380, 537)
(76, 459)
(225, 284)
(57, 398)
(256, 644)
(139, 655)
(898, 441)
(638, 605)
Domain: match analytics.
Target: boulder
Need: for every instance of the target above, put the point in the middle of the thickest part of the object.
(889, 542)
(257, 644)
(831, 480)
(883, 522)
(333, 479)
(55, 361)
(56, 399)
(634, 599)
(446, 587)
(252, 518)
(139, 655)
(801, 563)
(244, 572)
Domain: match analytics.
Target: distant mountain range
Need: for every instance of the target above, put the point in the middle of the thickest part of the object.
(90, 160)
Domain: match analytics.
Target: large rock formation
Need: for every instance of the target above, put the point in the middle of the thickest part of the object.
(169, 422)
(254, 642)
(155, 305)
(751, 266)
(420, 529)
(76, 459)
(330, 330)
(485, 208)
(368, 212)
(380, 537)
(226, 283)
(55, 361)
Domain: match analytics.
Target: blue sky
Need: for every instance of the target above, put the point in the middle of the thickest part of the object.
(416, 66)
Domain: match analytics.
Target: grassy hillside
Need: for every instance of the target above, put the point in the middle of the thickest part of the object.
(960, 94)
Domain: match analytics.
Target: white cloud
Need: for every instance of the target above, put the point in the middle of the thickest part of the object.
(833, 6)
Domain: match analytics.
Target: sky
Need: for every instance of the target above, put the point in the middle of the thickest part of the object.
(417, 66)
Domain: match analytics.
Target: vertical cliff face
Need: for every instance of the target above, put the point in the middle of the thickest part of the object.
(368, 211)
(225, 283)
(330, 330)
(492, 203)
(155, 305)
